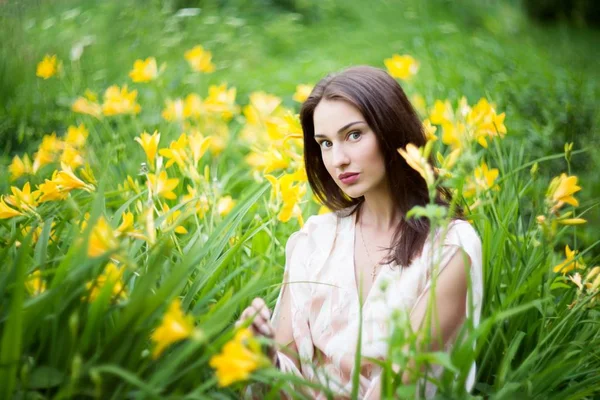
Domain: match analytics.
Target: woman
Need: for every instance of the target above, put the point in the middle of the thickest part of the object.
(365, 252)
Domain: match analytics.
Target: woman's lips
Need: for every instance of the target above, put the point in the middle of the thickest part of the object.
(349, 179)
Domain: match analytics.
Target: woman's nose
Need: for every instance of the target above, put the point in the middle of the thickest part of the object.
(339, 156)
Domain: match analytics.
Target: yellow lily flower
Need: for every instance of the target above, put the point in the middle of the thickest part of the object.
(198, 145)
(415, 159)
(120, 101)
(441, 112)
(561, 191)
(221, 101)
(84, 106)
(225, 205)
(176, 153)
(6, 211)
(238, 358)
(175, 326)
(112, 275)
(102, 238)
(50, 190)
(162, 185)
(150, 144)
(35, 284)
(201, 205)
(289, 195)
(484, 180)
(71, 157)
(170, 221)
(401, 66)
(429, 130)
(302, 92)
(19, 167)
(77, 135)
(200, 59)
(174, 110)
(67, 180)
(144, 70)
(570, 263)
(48, 67)
(25, 199)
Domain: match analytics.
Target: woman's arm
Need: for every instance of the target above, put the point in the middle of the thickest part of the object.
(450, 298)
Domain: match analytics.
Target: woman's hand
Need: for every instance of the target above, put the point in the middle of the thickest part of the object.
(260, 315)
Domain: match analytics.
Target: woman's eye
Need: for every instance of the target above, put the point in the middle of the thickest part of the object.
(355, 135)
(323, 144)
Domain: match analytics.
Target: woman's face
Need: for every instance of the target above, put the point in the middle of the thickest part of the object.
(349, 148)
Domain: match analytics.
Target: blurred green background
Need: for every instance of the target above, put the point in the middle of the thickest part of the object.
(537, 60)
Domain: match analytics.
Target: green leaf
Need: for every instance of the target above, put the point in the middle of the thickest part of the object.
(45, 377)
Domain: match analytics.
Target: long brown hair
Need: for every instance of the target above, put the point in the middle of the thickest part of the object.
(392, 118)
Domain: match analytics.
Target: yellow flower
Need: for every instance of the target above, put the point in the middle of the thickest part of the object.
(200, 59)
(50, 190)
(150, 144)
(176, 153)
(48, 67)
(429, 130)
(71, 157)
(268, 161)
(170, 221)
(221, 101)
(414, 157)
(102, 239)
(454, 134)
(174, 111)
(84, 106)
(302, 93)
(25, 199)
(201, 205)
(289, 194)
(6, 211)
(192, 107)
(225, 205)
(238, 358)
(144, 71)
(484, 180)
(561, 191)
(18, 167)
(77, 135)
(120, 101)
(34, 283)
(261, 106)
(112, 275)
(441, 112)
(67, 180)
(199, 145)
(175, 326)
(570, 263)
(162, 185)
(402, 67)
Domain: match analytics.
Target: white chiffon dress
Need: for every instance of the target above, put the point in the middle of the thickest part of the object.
(319, 273)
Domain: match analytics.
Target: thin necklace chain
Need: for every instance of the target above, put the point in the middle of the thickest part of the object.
(375, 265)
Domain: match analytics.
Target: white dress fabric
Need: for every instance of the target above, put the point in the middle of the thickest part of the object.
(319, 273)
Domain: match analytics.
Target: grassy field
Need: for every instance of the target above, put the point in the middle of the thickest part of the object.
(126, 241)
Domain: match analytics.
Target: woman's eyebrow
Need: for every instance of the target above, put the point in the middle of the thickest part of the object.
(342, 129)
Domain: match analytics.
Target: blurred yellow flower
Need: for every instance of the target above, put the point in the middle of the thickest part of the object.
(415, 159)
(35, 284)
(174, 110)
(200, 59)
(19, 167)
(454, 134)
(6, 211)
(484, 180)
(150, 145)
(570, 263)
(162, 185)
(402, 67)
(71, 157)
(120, 101)
(175, 326)
(144, 70)
(112, 276)
(50, 190)
(24, 199)
(225, 205)
(102, 238)
(261, 106)
(198, 145)
(441, 112)
(84, 106)
(238, 358)
(289, 194)
(193, 107)
(429, 130)
(67, 180)
(76, 135)
(170, 222)
(302, 92)
(561, 191)
(176, 153)
(48, 67)
(221, 100)
(201, 205)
